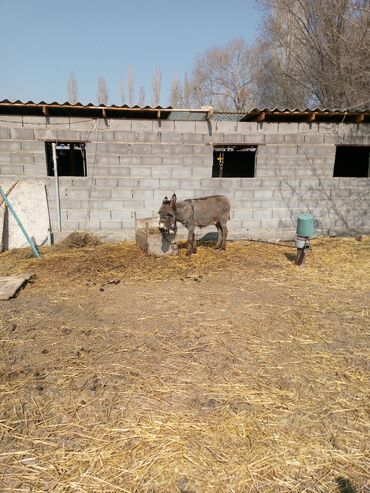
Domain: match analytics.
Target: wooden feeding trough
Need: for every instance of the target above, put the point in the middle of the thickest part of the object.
(151, 240)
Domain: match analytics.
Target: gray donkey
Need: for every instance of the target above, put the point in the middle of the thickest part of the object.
(194, 213)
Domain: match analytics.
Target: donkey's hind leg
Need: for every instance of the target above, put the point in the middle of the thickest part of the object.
(219, 239)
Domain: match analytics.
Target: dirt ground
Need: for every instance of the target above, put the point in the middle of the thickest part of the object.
(230, 371)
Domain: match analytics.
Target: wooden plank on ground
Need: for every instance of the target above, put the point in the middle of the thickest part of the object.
(9, 285)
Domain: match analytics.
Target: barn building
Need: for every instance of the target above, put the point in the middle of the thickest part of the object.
(117, 162)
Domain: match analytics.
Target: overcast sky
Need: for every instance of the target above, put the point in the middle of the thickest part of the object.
(42, 41)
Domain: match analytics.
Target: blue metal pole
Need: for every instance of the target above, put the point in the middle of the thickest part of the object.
(30, 241)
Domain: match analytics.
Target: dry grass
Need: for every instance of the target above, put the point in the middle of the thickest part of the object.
(230, 371)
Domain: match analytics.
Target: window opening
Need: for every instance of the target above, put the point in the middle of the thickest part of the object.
(352, 161)
(71, 158)
(234, 161)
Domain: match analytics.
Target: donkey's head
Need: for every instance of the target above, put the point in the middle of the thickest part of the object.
(167, 215)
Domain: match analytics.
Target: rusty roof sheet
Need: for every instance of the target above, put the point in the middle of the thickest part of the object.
(178, 114)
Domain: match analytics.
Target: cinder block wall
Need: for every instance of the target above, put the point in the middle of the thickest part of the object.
(133, 164)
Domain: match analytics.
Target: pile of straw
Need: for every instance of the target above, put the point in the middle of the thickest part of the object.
(230, 371)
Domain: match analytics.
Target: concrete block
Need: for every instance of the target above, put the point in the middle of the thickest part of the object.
(128, 182)
(204, 192)
(192, 138)
(199, 161)
(34, 171)
(190, 183)
(247, 128)
(10, 146)
(268, 127)
(285, 150)
(101, 193)
(181, 172)
(242, 214)
(119, 171)
(133, 204)
(77, 215)
(246, 204)
(100, 215)
(115, 225)
(89, 225)
(76, 194)
(223, 127)
(20, 133)
(140, 171)
(148, 183)
(262, 214)
(288, 127)
(162, 149)
(201, 172)
(255, 138)
(66, 135)
(149, 137)
(130, 160)
(122, 193)
(5, 157)
(121, 215)
(295, 139)
(335, 139)
(164, 125)
(314, 139)
(172, 183)
(229, 139)
(120, 136)
(267, 151)
(33, 146)
(204, 127)
(5, 132)
(35, 121)
(143, 194)
(263, 194)
(11, 121)
(114, 148)
(23, 158)
(120, 124)
(113, 204)
(152, 161)
(243, 193)
(142, 125)
(184, 127)
(308, 128)
(172, 160)
(274, 138)
(161, 171)
(105, 160)
(11, 170)
(175, 138)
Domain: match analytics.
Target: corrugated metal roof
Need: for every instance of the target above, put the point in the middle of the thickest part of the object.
(179, 114)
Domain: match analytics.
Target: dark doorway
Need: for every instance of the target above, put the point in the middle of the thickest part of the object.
(71, 158)
(234, 161)
(352, 161)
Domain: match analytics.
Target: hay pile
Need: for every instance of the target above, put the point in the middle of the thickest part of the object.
(230, 371)
(79, 239)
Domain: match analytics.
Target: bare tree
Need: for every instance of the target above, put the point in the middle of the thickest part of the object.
(156, 87)
(222, 78)
(315, 54)
(176, 93)
(72, 89)
(122, 91)
(102, 91)
(141, 96)
(186, 92)
(131, 86)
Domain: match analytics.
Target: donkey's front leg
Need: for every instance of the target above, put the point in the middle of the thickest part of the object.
(189, 243)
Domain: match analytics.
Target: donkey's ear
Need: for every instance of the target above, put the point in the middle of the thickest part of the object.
(165, 200)
(173, 200)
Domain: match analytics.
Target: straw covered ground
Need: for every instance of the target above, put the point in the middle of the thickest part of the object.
(228, 371)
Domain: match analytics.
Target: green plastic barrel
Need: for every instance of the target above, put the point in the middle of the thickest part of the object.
(305, 225)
